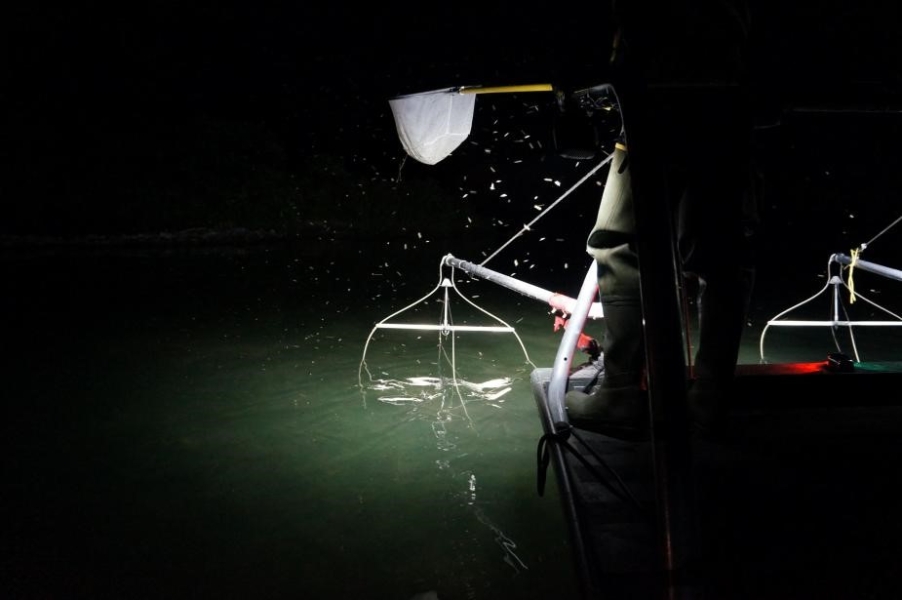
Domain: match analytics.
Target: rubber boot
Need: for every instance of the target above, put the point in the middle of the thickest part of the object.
(618, 405)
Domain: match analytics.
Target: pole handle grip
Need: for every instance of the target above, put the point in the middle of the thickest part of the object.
(507, 89)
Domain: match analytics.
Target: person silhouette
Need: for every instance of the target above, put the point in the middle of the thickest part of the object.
(691, 60)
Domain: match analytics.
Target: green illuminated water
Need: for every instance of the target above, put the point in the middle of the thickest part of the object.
(192, 424)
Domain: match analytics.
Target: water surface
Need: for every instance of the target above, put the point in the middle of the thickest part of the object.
(191, 424)
(202, 423)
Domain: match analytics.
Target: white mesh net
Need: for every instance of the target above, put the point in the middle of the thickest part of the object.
(433, 124)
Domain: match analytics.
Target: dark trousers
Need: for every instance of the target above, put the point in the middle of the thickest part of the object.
(705, 135)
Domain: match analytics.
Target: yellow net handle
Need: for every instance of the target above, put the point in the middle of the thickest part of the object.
(508, 89)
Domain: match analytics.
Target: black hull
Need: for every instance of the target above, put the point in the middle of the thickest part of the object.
(795, 500)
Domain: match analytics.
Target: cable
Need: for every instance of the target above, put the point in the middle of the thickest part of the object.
(887, 228)
(552, 205)
(561, 435)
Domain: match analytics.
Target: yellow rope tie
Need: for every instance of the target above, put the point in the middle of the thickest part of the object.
(851, 282)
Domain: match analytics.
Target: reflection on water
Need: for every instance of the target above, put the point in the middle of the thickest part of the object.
(201, 425)
(194, 426)
(192, 423)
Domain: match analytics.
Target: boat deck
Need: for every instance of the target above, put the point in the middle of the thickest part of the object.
(797, 500)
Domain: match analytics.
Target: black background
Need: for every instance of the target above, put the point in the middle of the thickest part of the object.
(108, 108)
